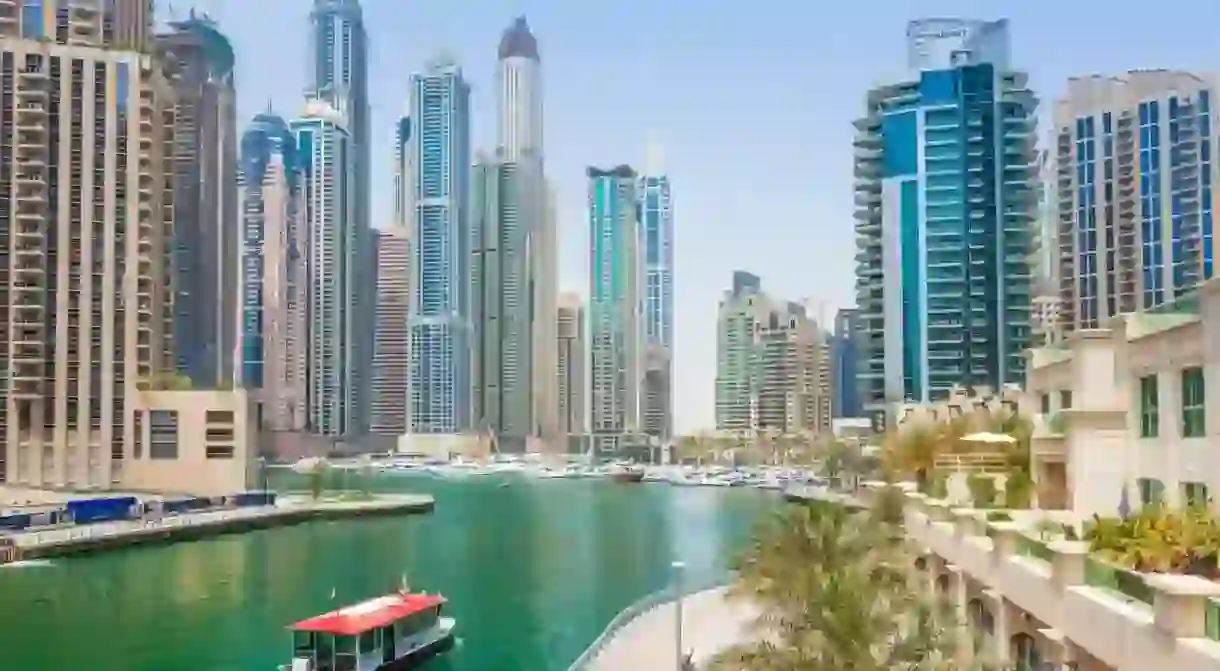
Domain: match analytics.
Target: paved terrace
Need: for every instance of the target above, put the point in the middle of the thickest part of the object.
(710, 624)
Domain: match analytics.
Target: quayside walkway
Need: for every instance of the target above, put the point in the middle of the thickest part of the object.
(710, 624)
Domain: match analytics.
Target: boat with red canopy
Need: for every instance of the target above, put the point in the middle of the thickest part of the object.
(396, 631)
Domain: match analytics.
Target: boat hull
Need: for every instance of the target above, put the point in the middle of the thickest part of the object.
(627, 478)
(416, 658)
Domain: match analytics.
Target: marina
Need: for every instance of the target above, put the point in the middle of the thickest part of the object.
(532, 573)
(759, 477)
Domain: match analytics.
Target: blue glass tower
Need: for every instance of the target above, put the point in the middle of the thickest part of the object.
(657, 224)
(439, 397)
(945, 167)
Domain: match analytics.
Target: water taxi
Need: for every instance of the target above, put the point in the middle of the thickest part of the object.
(397, 631)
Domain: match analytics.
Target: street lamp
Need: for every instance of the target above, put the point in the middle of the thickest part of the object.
(679, 568)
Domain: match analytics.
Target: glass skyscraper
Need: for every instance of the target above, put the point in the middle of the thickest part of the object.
(326, 151)
(338, 50)
(615, 322)
(440, 324)
(274, 284)
(657, 223)
(945, 168)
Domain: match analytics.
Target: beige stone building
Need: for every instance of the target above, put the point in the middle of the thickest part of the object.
(87, 210)
(203, 443)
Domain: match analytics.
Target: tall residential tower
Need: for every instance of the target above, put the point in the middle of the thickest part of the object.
(616, 299)
(945, 204)
(207, 237)
(439, 312)
(325, 146)
(275, 279)
(338, 53)
(657, 223)
(85, 207)
(1136, 160)
(772, 364)
(391, 366)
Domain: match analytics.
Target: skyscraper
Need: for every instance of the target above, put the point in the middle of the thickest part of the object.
(206, 231)
(440, 268)
(945, 163)
(572, 384)
(325, 147)
(275, 279)
(86, 273)
(339, 55)
(772, 364)
(391, 366)
(616, 300)
(520, 143)
(501, 300)
(656, 219)
(1135, 162)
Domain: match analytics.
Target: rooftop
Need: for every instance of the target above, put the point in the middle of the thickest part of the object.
(371, 614)
(518, 41)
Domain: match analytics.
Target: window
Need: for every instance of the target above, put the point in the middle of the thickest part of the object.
(1193, 407)
(1045, 400)
(1194, 493)
(1065, 399)
(1149, 399)
(162, 434)
(1151, 491)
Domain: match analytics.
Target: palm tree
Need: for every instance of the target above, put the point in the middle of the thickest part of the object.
(912, 450)
(834, 594)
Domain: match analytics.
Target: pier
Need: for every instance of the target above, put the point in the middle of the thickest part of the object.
(82, 539)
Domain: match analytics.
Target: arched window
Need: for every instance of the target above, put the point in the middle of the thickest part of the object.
(1025, 653)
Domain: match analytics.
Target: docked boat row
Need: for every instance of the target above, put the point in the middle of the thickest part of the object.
(682, 476)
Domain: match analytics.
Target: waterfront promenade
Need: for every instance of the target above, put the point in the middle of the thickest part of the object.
(76, 539)
(710, 624)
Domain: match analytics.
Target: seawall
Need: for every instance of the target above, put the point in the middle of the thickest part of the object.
(196, 526)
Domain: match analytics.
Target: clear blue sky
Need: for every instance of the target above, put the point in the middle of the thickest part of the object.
(752, 102)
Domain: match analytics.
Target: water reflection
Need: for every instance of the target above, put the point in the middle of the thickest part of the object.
(533, 572)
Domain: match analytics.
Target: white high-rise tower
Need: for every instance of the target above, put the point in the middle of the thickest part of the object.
(520, 145)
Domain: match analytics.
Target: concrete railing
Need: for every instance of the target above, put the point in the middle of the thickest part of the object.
(639, 608)
(1124, 619)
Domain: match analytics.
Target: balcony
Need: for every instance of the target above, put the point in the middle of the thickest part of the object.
(1053, 591)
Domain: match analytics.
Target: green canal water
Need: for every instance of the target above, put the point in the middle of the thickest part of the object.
(533, 571)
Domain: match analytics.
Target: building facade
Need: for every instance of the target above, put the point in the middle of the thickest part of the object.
(520, 142)
(657, 222)
(439, 401)
(275, 278)
(391, 363)
(85, 200)
(773, 364)
(325, 146)
(845, 363)
(571, 384)
(944, 165)
(402, 172)
(207, 236)
(338, 53)
(1135, 207)
(616, 318)
(502, 374)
